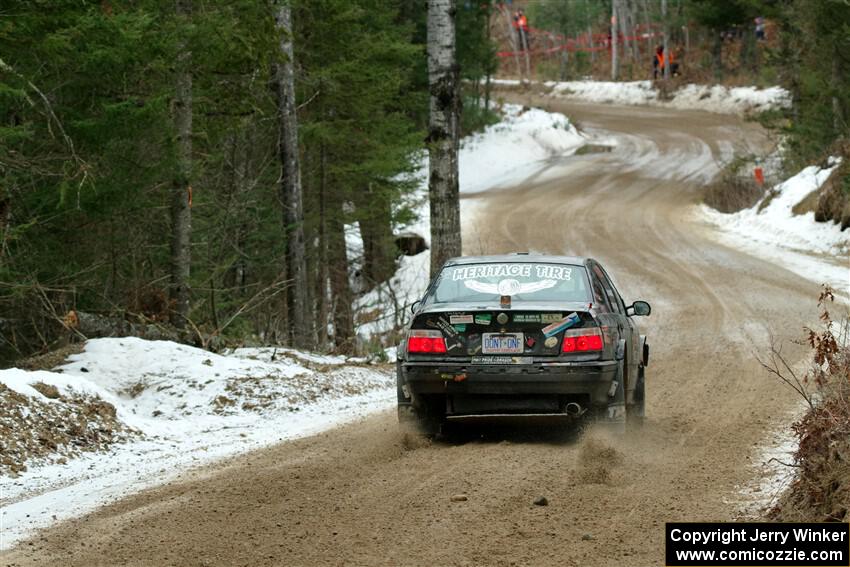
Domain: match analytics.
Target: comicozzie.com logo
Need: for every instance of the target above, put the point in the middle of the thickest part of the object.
(757, 544)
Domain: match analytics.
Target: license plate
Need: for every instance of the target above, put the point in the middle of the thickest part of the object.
(502, 343)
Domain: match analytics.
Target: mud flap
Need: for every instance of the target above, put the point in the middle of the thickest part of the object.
(407, 414)
(616, 410)
(614, 415)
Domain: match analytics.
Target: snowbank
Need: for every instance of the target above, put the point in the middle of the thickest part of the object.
(186, 406)
(769, 229)
(716, 98)
(503, 155)
(518, 146)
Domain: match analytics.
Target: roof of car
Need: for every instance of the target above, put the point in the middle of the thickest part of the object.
(517, 257)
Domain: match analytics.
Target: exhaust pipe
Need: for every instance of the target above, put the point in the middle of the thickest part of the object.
(574, 409)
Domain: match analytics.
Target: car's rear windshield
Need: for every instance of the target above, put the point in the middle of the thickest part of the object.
(523, 281)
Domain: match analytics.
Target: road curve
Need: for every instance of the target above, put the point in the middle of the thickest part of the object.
(365, 494)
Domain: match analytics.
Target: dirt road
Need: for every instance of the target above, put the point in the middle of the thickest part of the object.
(367, 495)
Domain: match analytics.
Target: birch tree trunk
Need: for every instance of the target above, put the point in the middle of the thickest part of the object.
(525, 50)
(181, 191)
(565, 61)
(443, 133)
(512, 37)
(627, 26)
(615, 68)
(297, 297)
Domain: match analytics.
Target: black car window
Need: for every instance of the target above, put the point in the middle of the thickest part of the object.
(599, 298)
(523, 281)
(613, 300)
(619, 297)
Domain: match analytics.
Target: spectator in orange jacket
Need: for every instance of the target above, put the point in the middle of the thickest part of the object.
(521, 25)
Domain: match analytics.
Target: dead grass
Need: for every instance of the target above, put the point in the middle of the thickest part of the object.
(771, 195)
(592, 149)
(50, 360)
(820, 491)
(809, 204)
(833, 202)
(734, 191)
(135, 389)
(38, 431)
(47, 390)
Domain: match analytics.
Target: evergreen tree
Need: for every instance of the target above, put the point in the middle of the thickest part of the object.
(181, 195)
(298, 303)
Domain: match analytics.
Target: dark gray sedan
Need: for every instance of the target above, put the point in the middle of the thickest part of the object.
(522, 335)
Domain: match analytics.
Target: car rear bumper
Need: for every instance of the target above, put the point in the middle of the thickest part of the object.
(589, 383)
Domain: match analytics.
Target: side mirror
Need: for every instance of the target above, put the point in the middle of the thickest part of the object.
(414, 305)
(639, 308)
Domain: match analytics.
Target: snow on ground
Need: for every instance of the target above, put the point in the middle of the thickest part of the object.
(506, 153)
(715, 98)
(503, 155)
(187, 407)
(773, 471)
(819, 251)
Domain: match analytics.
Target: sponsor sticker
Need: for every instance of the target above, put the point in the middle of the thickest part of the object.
(452, 342)
(460, 328)
(551, 341)
(542, 271)
(509, 287)
(550, 317)
(483, 319)
(491, 271)
(460, 319)
(526, 318)
(443, 326)
(559, 326)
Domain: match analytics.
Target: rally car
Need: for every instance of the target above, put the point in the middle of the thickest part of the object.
(522, 335)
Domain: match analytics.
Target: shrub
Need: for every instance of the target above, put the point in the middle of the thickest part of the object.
(821, 489)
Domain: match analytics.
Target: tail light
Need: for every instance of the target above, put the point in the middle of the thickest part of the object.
(426, 342)
(582, 340)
